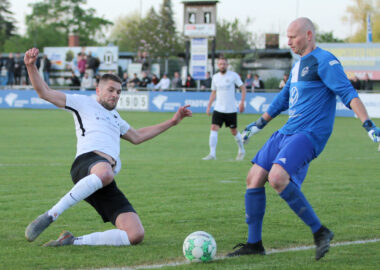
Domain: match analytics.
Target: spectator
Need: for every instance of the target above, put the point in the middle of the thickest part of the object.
(367, 84)
(11, 69)
(44, 69)
(125, 80)
(93, 64)
(155, 79)
(145, 80)
(248, 81)
(19, 62)
(356, 83)
(145, 61)
(87, 82)
(135, 81)
(257, 82)
(206, 84)
(189, 83)
(177, 81)
(164, 83)
(74, 80)
(283, 81)
(82, 62)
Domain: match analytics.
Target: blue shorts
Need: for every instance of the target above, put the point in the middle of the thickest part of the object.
(292, 152)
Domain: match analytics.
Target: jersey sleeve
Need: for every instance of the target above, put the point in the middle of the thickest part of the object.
(124, 126)
(213, 85)
(332, 75)
(238, 80)
(280, 102)
(75, 101)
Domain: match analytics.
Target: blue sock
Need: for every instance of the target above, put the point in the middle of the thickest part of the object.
(254, 211)
(298, 203)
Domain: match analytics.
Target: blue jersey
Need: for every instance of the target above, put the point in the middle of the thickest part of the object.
(310, 96)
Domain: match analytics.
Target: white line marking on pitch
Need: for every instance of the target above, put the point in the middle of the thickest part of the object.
(273, 251)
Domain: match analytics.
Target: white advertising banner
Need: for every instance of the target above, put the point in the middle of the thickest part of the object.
(63, 57)
(199, 30)
(133, 102)
(199, 55)
(372, 104)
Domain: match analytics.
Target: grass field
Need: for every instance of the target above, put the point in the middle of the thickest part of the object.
(176, 193)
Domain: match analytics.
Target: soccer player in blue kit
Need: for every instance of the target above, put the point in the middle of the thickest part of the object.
(310, 98)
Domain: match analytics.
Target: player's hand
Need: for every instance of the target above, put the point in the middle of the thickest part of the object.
(373, 130)
(182, 113)
(252, 129)
(30, 57)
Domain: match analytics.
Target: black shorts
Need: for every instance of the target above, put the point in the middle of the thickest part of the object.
(108, 201)
(230, 119)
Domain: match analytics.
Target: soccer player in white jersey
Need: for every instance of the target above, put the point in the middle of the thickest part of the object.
(98, 128)
(223, 92)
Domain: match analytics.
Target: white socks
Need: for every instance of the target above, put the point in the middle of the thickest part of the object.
(84, 188)
(239, 142)
(213, 141)
(113, 237)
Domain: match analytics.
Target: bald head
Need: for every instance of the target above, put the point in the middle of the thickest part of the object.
(301, 36)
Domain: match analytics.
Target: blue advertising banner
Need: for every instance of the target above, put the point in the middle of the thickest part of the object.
(256, 103)
(29, 99)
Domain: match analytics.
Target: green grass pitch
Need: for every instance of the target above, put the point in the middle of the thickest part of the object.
(176, 193)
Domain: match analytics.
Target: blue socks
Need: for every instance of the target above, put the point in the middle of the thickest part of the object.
(255, 202)
(298, 203)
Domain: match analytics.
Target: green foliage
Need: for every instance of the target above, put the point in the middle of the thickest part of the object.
(7, 22)
(155, 33)
(63, 17)
(233, 35)
(176, 193)
(17, 43)
(357, 14)
(327, 37)
(272, 83)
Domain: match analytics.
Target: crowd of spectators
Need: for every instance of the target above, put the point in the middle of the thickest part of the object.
(155, 83)
(84, 70)
(365, 84)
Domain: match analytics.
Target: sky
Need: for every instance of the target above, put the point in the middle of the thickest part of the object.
(267, 16)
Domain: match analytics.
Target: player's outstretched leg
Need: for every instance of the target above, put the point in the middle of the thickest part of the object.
(37, 226)
(322, 240)
(64, 239)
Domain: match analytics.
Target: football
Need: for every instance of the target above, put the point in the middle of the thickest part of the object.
(199, 247)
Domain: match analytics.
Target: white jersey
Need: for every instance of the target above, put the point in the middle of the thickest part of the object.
(96, 127)
(224, 85)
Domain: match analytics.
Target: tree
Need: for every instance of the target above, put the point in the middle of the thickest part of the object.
(7, 22)
(63, 17)
(233, 35)
(357, 15)
(155, 33)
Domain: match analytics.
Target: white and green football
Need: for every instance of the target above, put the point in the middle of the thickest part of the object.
(199, 247)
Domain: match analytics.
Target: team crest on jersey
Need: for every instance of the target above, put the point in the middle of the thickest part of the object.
(293, 97)
(305, 71)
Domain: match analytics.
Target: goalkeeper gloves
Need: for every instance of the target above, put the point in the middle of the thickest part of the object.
(253, 128)
(372, 129)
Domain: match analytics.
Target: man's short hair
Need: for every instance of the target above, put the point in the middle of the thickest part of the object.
(112, 77)
(221, 57)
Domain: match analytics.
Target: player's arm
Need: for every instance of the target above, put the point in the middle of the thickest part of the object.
(358, 107)
(243, 94)
(210, 101)
(137, 136)
(279, 104)
(42, 89)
